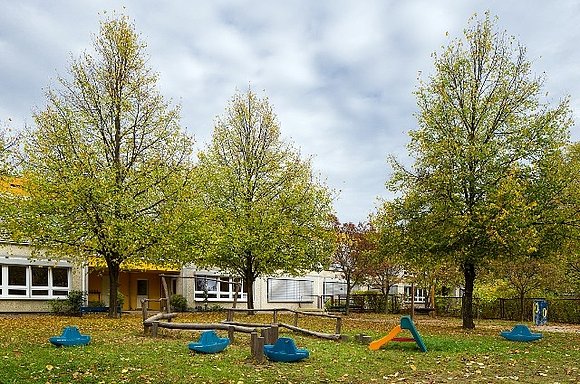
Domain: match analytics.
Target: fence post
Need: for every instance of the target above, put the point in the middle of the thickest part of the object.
(273, 334)
(154, 328)
(144, 312)
(338, 325)
(231, 333)
(257, 347)
(295, 319)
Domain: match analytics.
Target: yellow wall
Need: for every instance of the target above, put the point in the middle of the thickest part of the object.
(99, 282)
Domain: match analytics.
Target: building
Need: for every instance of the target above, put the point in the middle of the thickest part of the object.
(28, 282)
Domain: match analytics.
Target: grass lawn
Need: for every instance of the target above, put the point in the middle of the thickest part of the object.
(120, 353)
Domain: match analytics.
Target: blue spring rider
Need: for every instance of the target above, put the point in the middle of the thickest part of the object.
(209, 342)
(285, 350)
(521, 333)
(70, 337)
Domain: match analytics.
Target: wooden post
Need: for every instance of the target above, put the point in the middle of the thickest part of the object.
(230, 315)
(338, 325)
(144, 312)
(193, 303)
(231, 334)
(154, 328)
(260, 357)
(236, 291)
(265, 333)
(167, 305)
(275, 318)
(253, 337)
(412, 301)
(273, 334)
(257, 347)
(432, 302)
(295, 319)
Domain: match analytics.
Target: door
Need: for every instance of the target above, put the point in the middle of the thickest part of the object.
(142, 291)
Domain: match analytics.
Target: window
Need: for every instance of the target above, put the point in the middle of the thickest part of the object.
(34, 281)
(334, 288)
(16, 280)
(142, 287)
(420, 295)
(217, 288)
(290, 290)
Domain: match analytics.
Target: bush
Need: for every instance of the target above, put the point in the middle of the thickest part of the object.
(179, 303)
(69, 306)
(120, 300)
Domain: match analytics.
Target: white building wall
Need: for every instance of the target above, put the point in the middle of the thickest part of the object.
(21, 255)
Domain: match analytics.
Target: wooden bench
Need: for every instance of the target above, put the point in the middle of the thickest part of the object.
(98, 310)
(423, 310)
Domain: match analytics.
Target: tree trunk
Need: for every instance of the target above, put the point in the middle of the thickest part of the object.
(347, 304)
(114, 270)
(249, 283)
(522, 298)
(467, 301)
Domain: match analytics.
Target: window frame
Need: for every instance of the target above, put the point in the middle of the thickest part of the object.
(420, 295)
(29, 290)
(296, 290)
(217, 294)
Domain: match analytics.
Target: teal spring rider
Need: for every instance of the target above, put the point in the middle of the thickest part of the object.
(70, 337)
(285, 350)
(209, 342)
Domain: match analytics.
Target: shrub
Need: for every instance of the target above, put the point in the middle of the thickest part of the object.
(69, 306)
(120, 300)
(179, 303)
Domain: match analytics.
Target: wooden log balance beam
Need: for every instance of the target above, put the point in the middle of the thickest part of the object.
(328, 336)
(275, 311)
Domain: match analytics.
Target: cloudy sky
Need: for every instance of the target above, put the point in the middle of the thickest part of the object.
(340, 74)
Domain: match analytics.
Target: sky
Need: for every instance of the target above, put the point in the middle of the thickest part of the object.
(339, 74)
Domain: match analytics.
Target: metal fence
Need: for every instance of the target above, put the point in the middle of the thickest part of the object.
(560, 310)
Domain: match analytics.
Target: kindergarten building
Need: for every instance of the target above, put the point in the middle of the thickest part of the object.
(28, 282)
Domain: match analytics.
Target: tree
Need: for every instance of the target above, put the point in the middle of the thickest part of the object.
(266, 213)
(480, 120)
(107, 169)
(9, 143)
(527, 276)
(560, 212)
(386, 263)
(8, 146)
(352, 256)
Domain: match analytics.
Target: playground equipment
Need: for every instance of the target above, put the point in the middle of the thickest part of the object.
(70, 337)
(285, 350)
(260, 334)
(406, 323)
(209, 342)
(520, 333)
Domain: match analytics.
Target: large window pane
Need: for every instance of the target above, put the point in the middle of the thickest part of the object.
(290, 290)
(16, 275)
(60, 277)
(40, 276)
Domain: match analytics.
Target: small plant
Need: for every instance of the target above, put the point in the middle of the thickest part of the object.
(120, 300)
(179, 303)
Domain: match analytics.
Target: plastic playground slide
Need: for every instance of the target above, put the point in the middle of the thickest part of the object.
(385, 339)
(406, 323)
